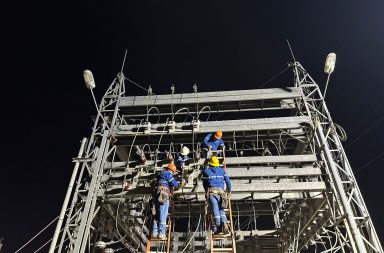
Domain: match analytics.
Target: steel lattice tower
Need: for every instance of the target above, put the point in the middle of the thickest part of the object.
(293, 187)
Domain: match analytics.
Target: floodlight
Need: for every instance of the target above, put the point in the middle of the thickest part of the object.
(330, 62)
(88, 79)
(329, 67)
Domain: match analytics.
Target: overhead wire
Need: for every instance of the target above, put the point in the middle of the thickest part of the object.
(34, 237)
(41, 247)
(369, 162)
(275, 76)
(364, 132)
(371, 113)
(138, 85)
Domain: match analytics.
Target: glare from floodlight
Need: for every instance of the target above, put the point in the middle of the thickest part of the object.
(330, 62)
(88, 79)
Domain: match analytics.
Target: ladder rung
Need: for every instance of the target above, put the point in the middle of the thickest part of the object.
(157, 239)
(218, 238)
(222, 249)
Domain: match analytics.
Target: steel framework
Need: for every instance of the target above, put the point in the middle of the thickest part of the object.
(293, 187)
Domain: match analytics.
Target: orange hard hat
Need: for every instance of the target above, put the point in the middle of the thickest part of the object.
(218, 134)
(172, 167)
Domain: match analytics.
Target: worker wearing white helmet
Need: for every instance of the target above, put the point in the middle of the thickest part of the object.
(182, 157)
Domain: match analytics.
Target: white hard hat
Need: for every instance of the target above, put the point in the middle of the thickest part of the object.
(184, 150)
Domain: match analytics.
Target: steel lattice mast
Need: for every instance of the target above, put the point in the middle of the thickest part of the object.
(293, 187)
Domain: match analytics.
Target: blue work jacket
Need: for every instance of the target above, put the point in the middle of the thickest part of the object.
(166, 179)
(216, 177)
(181, 159)
(210, 140)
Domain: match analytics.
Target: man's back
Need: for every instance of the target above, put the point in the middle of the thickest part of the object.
(215, 177)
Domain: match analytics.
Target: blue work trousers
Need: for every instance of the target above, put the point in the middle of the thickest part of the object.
(160, 219)
(218, 211)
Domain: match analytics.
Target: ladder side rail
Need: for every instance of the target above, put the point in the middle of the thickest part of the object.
(231, 221)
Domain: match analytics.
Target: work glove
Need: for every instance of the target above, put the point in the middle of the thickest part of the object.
(183, 183)
(209, 147)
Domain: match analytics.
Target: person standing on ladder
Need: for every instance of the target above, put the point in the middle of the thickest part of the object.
(214, 178)
(161, 196)
(212, 143)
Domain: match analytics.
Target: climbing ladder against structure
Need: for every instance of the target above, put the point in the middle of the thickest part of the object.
(156, 245)
(292, 185)
(221, 242)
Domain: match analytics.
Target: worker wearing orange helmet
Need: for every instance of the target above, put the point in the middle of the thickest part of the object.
(165, 181)
(213, 142)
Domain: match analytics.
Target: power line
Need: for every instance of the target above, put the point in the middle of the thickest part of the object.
(275, 76)
(365, 132)
(41, 231)
(369, 162)
(138, 85)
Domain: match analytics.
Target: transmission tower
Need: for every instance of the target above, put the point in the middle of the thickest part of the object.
(293, 187)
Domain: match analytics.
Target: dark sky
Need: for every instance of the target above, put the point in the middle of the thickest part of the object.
(220, 45)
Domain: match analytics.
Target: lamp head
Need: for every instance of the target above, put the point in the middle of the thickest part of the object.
(330, 62)
(88, 79)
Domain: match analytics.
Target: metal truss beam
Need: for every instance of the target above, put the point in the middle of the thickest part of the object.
(211, 97)
(212, 126)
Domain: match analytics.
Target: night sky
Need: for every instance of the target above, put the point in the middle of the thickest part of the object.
(220, 45)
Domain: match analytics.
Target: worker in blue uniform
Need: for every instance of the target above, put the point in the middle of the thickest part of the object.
(182, 158)
(212, 142)
(161, 196)
(214, 177)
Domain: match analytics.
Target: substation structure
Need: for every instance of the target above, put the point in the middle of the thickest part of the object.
(293, 187)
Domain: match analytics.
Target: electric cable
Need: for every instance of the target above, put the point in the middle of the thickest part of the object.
(158, 113)
(125, 177)
(190, 239)
(41, 231)
(369, 162)
(138, 85)
(343, 135)
(275, 76)
(364, 132)
(49, 242)
(202, 109)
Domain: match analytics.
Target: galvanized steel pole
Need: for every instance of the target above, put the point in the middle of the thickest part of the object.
(355, 236)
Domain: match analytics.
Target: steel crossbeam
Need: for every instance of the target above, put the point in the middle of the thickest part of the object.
(211, 97)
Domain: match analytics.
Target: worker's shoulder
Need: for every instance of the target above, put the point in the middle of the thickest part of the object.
(167, 173)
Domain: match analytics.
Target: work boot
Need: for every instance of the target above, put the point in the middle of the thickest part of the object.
(226, 230)
(215, 231)
(161, 237)
(154, 235)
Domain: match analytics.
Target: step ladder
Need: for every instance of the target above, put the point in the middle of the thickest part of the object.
(156, 245)
(223, 243)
